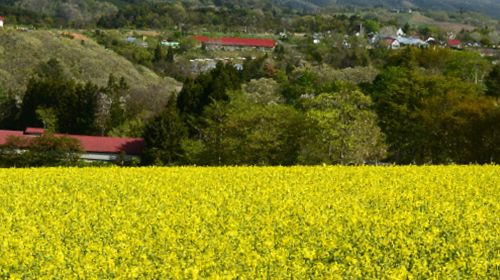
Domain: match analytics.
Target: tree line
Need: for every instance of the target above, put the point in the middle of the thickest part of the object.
(425, 106)
(248, 17)
(421, 106)
(60, 104)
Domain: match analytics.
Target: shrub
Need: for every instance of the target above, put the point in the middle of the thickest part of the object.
(45, 150)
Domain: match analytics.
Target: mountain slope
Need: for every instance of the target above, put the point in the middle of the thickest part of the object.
(22, 52)
(489, 7)
(85, 10)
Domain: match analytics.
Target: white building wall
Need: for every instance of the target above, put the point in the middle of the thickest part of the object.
(106, 157)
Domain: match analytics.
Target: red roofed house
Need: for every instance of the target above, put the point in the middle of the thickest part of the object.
(454, 43)
(231, 43)
(2, 19)
(390, 43)
(96, 148)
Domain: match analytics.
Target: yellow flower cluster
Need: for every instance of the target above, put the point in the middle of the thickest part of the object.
(251, 223)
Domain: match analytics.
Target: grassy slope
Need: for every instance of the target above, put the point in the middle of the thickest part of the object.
(21, 52)
(419, 19)
(92, 9)
(487, 7)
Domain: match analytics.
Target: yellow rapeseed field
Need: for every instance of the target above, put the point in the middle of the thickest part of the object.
(251, 223)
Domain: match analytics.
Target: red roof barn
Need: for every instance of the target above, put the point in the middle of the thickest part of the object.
(109, 145)
(97, 148)
(237, 42)
(4, 135)
(454, 43)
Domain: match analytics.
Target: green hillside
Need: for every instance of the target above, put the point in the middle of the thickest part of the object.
(488, 7)
(87, 10)
(83, 59)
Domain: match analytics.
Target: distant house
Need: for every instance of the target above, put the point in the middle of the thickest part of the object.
(409, 41)
(454, 43)
(2, 19)
(232, 43)
(201, 65)
(134, 40)
(96, 148)
(474, 45)
(283, 35)
(431, 41)
(170, 44)
(400, 32)
(239, 66)
(390, 43)
(317, 37)
(346, 44)
(131, 39)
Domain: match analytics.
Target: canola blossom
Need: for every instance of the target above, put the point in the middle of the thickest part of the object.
(431, 222)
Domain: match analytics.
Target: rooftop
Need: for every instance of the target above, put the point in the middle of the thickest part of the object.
(454, 42)
(90, 144)
(241, 42)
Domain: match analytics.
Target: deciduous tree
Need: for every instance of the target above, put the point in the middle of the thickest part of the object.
(341, 128)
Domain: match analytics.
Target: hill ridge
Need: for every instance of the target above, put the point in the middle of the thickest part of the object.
(21, 52)
(92, 9)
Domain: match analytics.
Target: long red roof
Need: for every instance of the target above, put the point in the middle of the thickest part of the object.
(240, 42)
(109, 145)
(34, 130)
(90, 144)
(4, 134)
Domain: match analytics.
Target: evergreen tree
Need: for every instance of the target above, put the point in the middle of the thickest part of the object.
(9, 113)
(493, 82)
(164, 136)
(207, 88)
(189, 100)
(76, 109)
(3, 95)
(407, 29)
(74, 104)
(159, 54)
(170, 55)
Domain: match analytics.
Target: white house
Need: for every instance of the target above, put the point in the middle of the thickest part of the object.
(390, 43)
(2, 19)
(409, 41)
(400, 32)
(170, 44)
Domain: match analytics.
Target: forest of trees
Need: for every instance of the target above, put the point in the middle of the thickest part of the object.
(60, 104)
(425, 106)
(161, 12)
(251, 14)
(421, 106)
